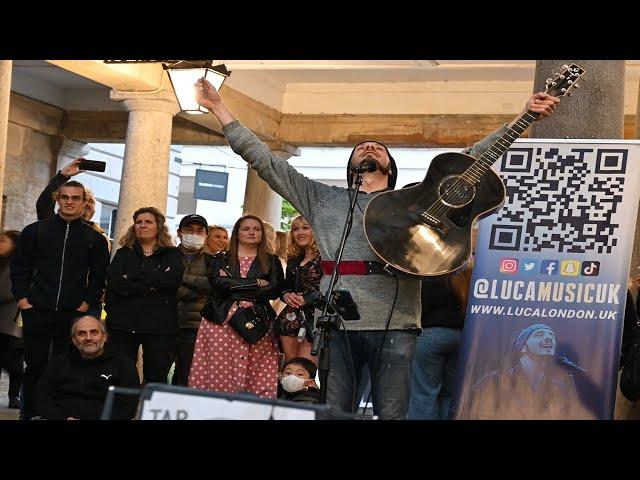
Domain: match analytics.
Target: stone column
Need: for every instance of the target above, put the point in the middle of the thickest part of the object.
(260, 200)
(5, 94)
(145, 170)
(596, 110)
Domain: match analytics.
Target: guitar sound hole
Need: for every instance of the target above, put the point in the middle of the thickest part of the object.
(456, 192)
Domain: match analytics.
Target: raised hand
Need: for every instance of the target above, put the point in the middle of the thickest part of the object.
(72, 169)
(542, 103)
(206, 94)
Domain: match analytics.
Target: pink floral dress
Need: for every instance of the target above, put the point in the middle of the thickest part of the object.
(224, 362)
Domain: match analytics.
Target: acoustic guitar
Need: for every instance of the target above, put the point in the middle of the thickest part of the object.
(425, 230)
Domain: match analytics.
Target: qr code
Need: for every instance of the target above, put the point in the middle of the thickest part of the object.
(562, 199)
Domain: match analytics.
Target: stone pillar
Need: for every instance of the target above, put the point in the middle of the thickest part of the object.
(5, 94)
(260, 200)
(145, 170)
(596, 110)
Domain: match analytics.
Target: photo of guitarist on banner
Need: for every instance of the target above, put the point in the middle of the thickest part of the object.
(535, 381)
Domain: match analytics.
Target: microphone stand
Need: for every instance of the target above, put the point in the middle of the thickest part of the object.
(324, 323)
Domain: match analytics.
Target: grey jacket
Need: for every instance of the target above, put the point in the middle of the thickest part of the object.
(326, 207)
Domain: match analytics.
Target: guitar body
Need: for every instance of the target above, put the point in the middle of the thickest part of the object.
(425, 230)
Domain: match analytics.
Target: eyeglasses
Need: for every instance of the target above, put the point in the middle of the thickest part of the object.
(73, 198)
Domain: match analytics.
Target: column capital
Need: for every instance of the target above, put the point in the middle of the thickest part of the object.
(73, 148)
(160, 100)
(283, 150)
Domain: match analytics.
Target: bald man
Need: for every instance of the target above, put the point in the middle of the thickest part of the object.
(75, 384)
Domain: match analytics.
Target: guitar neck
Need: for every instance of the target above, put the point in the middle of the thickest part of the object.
(495, 151)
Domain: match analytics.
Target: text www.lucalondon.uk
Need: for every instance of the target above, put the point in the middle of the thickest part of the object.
(544, 312)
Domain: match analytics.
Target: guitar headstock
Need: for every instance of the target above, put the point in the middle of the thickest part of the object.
(565, 82)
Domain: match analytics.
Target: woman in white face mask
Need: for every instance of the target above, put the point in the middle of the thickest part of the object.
(298, 384)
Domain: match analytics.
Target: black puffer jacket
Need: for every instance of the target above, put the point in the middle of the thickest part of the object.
(226, 290)
(146, 301)
(195, 289)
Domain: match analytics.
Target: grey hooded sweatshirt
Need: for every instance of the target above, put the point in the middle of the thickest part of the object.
(326, 208)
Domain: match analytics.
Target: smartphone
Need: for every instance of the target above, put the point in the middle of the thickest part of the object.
(92, 165)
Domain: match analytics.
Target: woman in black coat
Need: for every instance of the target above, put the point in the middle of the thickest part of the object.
(142, 294)
(245, 277)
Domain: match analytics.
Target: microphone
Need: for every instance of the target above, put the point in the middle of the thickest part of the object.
(565, 361)
(364, 166)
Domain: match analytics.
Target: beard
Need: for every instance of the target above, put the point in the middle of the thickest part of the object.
(384, 169)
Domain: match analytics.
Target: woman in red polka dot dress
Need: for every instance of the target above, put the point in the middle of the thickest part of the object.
(245, 275)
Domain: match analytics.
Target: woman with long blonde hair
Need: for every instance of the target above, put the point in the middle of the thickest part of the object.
(304, 271)
(142, 291)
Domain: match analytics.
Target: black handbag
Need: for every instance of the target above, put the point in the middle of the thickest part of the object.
(251, 323)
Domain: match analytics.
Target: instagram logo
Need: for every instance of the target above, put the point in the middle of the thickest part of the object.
(508, 265)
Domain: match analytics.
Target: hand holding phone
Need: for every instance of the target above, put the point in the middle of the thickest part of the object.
(92, 165)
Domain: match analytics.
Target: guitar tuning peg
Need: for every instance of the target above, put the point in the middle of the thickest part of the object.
(548, 80)
(576, 85)
(570, 94)
(566, 67)
(563, 90)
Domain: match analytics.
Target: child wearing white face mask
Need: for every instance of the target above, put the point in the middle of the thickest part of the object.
(298, 384)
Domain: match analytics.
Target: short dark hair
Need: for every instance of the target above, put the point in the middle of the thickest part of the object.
(73, 183)
(305, 363)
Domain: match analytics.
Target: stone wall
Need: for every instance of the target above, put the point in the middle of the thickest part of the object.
(32, 148)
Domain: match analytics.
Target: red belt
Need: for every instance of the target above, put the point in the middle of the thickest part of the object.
(353, 267)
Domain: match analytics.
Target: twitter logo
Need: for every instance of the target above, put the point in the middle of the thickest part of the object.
(529, 266)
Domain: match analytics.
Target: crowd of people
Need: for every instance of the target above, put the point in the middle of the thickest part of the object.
(232, 313)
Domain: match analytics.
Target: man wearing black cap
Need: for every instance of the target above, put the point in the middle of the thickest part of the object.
(384, 338)
(193, 293)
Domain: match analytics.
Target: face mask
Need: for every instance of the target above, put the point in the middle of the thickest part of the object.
(193, 242)
(291, 383)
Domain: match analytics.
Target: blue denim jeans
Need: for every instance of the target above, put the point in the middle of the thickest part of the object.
(434, 371)
(390, 374)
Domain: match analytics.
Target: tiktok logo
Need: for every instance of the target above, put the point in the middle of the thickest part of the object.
(590, 269)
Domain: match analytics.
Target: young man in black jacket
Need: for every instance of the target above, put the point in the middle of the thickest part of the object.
(75, 384)
(45, 205)
(58, 270)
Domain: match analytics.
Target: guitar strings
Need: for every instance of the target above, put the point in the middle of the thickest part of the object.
(569, 77)
(473, 174)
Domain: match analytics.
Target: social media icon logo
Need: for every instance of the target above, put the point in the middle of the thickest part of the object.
(590, 268)
(529, 266)
(549, 267)
(570, 268)
(508, 265)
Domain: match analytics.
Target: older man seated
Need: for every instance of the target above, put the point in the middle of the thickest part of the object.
(75, 384)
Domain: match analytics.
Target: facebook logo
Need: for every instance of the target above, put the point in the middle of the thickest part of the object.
(549, 267)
